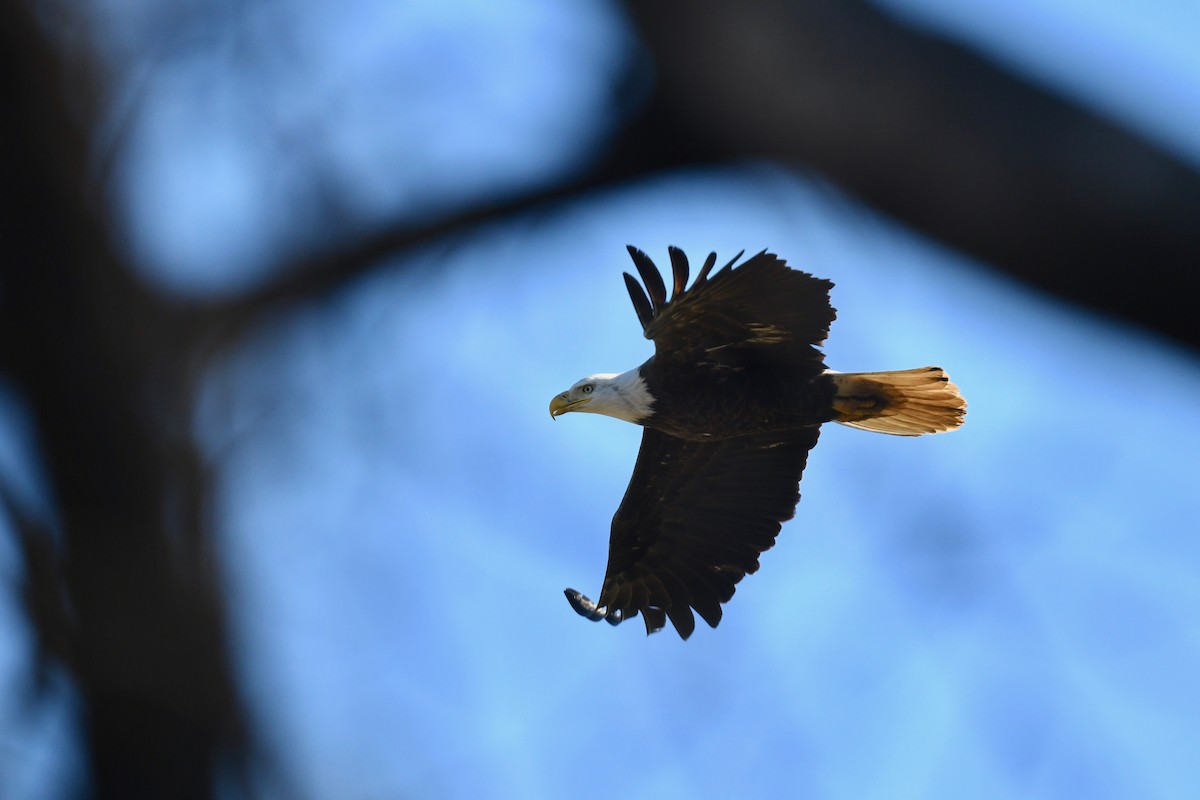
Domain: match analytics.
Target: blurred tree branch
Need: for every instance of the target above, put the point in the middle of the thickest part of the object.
(933, 135)
(922, 129)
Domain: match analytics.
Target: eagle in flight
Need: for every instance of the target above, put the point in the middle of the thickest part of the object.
(730, 404)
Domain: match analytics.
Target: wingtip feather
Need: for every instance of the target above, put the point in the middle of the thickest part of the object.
(650, 276)
(679, 270)
(641, 303)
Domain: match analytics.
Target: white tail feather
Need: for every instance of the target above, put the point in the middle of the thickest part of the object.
(904, 402)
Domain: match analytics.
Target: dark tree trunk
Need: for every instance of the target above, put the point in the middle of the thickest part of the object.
(130, 598)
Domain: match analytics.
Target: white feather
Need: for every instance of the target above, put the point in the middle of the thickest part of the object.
(623, 395)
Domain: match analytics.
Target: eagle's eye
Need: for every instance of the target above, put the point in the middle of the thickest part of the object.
(586, 388)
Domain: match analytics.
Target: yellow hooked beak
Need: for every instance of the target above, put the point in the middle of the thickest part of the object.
(561, 405)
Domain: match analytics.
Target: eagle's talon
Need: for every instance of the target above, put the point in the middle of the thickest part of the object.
(583, 606)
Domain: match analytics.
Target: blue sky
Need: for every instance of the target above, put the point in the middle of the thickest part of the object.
(1006, 609)
(1009, 610)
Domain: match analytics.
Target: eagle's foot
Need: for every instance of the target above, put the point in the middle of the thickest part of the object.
(585, 607)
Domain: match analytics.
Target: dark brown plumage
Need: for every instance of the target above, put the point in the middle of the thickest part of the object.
(731, 401)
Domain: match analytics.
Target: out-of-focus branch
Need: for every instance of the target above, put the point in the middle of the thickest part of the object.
(924, 130)
(933, 135)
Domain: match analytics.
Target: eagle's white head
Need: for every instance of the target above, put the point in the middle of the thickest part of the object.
(623, 396)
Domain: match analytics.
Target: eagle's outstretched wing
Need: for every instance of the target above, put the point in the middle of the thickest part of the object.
(693, 522)
(759, 309)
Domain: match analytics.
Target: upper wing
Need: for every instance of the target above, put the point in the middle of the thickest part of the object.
(693, 522)
(760, 304)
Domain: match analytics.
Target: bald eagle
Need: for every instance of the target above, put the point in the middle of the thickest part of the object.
(730, 404)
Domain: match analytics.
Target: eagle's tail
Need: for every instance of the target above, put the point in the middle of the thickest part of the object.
(906, 402)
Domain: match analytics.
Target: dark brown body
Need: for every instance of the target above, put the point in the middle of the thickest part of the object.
(717, 401)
